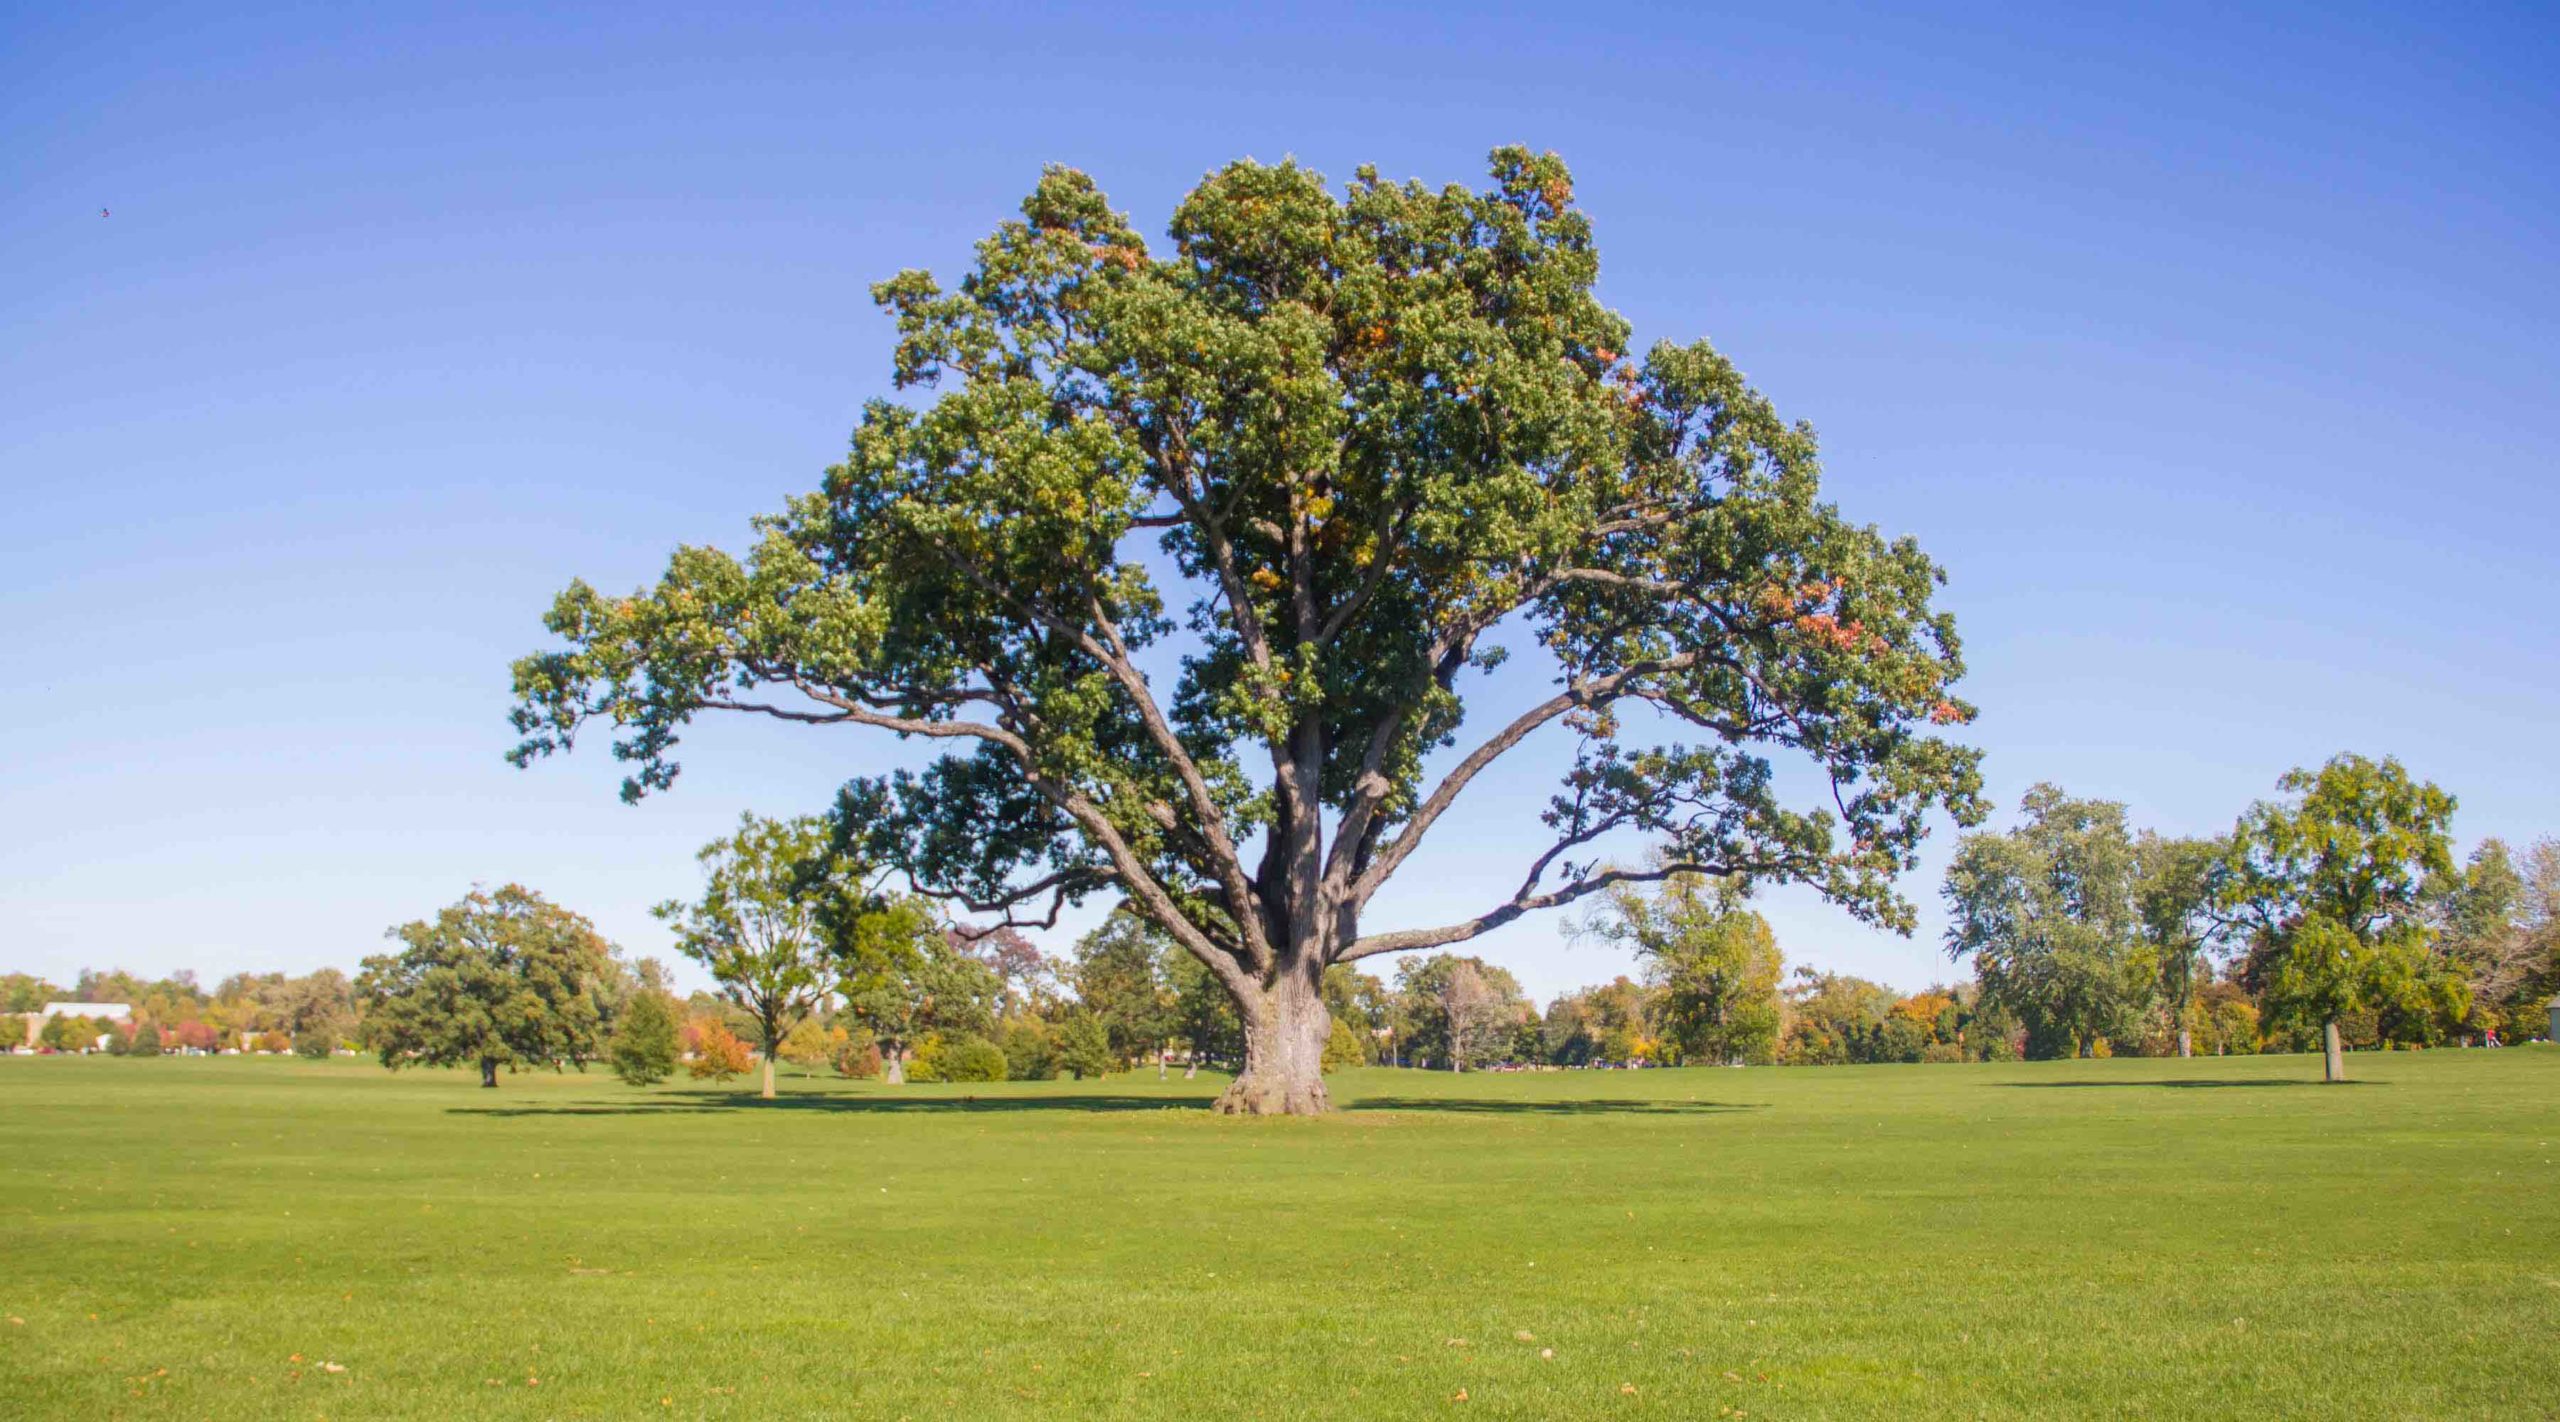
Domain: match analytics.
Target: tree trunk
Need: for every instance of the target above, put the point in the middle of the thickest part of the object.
(893, 1067)
(2186, 1043)
(768, 1076)
(1285, 1027)
(2336, 1056)
(489, 1071)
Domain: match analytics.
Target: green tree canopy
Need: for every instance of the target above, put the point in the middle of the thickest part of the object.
(1373, 437)
(2178, 900)
(1122, 978)
(1715, 964)
(2331, 882)
(2048, 914)
(1461, 1011)
(904, 979)
(497, 978)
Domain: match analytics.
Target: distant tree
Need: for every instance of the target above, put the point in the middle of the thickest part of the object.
(1084, 1047)
(1464, 1008)
(643, 1049)
(903, 980)
(1121, 977)
(2047, 913)
(2331, 883)
(1204, 1014)
(1359, 1002)
(2178, 896)
(146, 1038)
(198, 1036)
(760, 924)
(2539, 982)
(2226, 1021)
(1714, 962)
(1029, 981)
(318, 1009)
(25, 992)
(495, 979)
(1350, 444)
(65, 1033)
(1834, 1019)
(718, 1054)
(2481, 915)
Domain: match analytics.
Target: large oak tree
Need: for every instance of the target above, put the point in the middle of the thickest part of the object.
(1195, 553)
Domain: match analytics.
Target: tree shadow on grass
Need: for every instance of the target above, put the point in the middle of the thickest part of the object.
(721, 1102)
(2191, 1083)
(1592, 1106)
(687, 1103)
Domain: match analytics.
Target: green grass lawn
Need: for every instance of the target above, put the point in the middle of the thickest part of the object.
(2217, 1238)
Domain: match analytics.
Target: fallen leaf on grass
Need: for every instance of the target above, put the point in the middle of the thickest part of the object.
(1459, 1396)
(333, 1367)
(1626, 1389)
(1547, 1353)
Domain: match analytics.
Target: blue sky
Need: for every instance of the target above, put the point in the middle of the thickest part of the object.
(2211, 350)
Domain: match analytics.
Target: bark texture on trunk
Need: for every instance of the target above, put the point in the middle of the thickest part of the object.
(2335, 1056)
(1285, 1027)
(893, 1067)
(489, 1071)
(768, 1076)
(2186, 1043)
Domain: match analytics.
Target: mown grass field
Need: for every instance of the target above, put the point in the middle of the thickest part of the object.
(2217, 1238)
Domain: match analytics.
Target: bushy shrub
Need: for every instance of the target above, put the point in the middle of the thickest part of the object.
(959, 1057)
(1030, 1052)
(806, 1045)
(1342, 1048)
(146, 1040)
(856, 1054)
(717, 1053)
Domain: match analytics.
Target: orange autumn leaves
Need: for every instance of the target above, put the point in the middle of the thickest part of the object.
(1800, 608)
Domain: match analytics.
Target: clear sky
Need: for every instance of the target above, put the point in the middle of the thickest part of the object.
(2211, 350)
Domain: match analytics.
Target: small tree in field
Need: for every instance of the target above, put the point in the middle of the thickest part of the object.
(759, 923)
(146, 1038)
(1315, 466)
(497, 979)
(643, 1050)
(2331, 882)
(1084, 1048)
(718, 1054)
